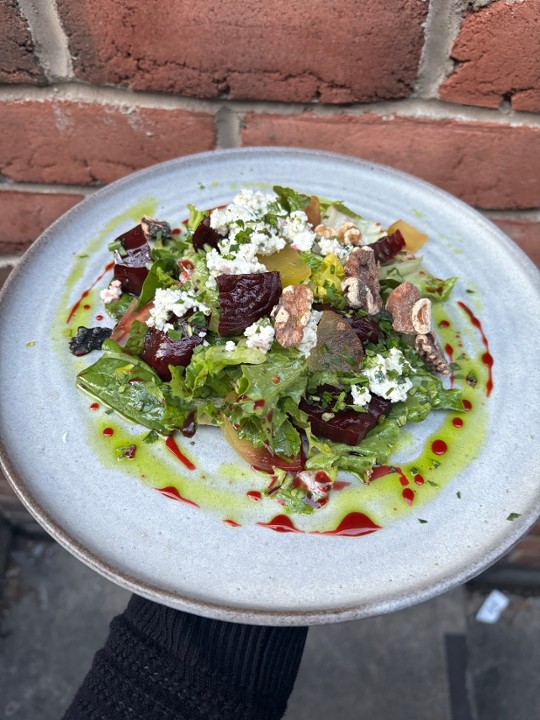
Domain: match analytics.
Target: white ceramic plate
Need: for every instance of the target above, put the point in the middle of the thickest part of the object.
(188, 558)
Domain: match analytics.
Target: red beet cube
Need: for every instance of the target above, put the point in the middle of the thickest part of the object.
(130, 264)
(243, 299)
(346, 426)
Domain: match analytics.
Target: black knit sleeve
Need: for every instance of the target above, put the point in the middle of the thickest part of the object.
(163, 664)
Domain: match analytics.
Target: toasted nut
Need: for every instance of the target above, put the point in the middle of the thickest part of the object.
(429, 351)
(155, 229)
(291, 314)
(361, 266)
(400, 304)
(349, 233)
(421, 316)
(325, 231)
(359, 296)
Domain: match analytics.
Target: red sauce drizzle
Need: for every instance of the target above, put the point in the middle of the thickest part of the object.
(173, 447)
(108, 432)
(487, 358)
(444, 324)
(176, 231)
(172, 493)
(87, 307)
(457, 422)
(232, 523)
(258, 404)
(254, 495)
(281, 523)
(382, 470)
(439, 447)
(94, 406)
(353, 525)
(467, 404)
(418, 479)
(340, 485)
(408, 496)
(74, 309)
(99, 317)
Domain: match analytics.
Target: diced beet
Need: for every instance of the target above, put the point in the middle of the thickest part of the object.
(130, 265)
(205, 235)
(243, 299)
(346, 426)
(367, 330)
(88, 339)
(160, 351)
(388, 247)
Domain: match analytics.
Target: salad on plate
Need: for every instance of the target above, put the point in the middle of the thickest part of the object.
(301, 329)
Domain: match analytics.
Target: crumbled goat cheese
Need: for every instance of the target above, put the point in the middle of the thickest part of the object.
(172, 301)
(260, 335)
(361, 395)
(230, 346)
(244, 262)
(394, 389)
(113, 292)
(332, 246)
(297, 230)
(309, 338)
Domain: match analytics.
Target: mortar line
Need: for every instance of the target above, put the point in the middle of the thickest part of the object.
(49, 38)
(9, 260)
(129, 101)
(48, 188)
(442, 26)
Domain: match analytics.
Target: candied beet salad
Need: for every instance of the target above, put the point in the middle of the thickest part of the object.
(301, 329)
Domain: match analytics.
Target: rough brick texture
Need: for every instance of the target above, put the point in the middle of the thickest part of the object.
(68, 142)
(486, 164)
(498, 57)
(18, 63)
(25, 215)
(350, 51)
(525, 233)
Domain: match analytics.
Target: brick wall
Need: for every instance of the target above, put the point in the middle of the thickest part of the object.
(448, 90)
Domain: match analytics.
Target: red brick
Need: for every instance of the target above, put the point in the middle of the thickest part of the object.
(25, 215)
(75, 143)
(525, 233)
(346, 52)
(498, 56)
(18, 64)
(486, 164)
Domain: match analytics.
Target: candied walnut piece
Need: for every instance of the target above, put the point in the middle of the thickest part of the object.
(421, 316)
(361, 284)
(243, 299)
(88, 339)
(429, 351)
(349, 233)
(155, 229)
(400, 304)
(291, 314)
(325, 231)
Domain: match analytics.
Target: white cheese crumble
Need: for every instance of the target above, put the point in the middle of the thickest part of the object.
(297, 230)
(309, 338)
(332, 246)
(260, 335)
(113, 292)
(172, 301)
(230, 346)
(395, 388)
(361, 395)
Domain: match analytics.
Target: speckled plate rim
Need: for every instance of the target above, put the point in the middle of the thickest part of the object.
(397, 600)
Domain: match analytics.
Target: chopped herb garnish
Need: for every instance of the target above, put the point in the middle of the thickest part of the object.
(420, 520)
(513, 516)
(152, 437)
(458, 495)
